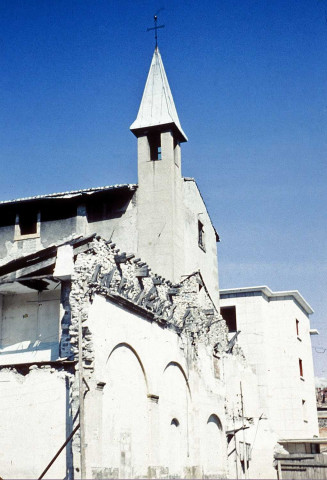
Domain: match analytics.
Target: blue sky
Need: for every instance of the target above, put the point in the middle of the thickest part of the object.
(249, 82)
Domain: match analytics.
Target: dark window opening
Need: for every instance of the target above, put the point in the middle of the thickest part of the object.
(297, 327)
(155, 146)
(301, 367)
(28, 223)
(229, 314)
(315, 448)
(304, 411)
(174, 422)
(201, 236)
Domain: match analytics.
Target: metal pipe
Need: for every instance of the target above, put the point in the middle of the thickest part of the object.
(59, 452)
(81, 398)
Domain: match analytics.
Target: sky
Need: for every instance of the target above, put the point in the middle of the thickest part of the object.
(249, 82)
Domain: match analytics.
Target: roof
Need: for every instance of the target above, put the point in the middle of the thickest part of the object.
(157, 105)
(22, 270)
(73, 193)
(270, 294)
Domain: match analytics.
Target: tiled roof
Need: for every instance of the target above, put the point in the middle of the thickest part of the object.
(72, 193)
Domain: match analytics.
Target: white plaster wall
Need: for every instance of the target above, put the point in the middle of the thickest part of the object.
(285, 378)
(194, 257)
(33, 424)
(121, 230)
(160, 209)
(258, 432)
(268, 338)
(29, 327)
(134, 436)
(250, 314)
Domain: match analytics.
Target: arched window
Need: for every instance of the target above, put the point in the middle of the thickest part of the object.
(125, 408)
(174, 422)
(175, 448)
(214, 447)
(213, 419)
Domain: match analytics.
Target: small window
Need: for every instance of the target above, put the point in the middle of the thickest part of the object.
(27, 224)
(155, 146)
(301, 368)
(174, 422)
(297, 327)
(304, 411)
(229, 315)
(201, 236)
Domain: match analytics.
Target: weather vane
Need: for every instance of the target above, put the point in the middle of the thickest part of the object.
(155, 28)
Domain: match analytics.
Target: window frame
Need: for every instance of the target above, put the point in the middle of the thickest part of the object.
(18, 234)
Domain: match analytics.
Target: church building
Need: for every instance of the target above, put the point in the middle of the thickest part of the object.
(115, 359)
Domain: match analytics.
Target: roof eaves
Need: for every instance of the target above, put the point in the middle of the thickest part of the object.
(270, 294)
(72, 193)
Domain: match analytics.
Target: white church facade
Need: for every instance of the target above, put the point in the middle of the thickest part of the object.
(115, 360)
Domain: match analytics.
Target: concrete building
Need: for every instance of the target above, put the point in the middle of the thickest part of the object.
(114, 356)
(275, 337)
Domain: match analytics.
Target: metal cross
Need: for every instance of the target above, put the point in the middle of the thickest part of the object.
(155, 28)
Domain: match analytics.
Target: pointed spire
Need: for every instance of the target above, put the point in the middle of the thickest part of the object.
(157, 105)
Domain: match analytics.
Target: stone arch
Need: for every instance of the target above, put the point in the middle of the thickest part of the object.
(179, 366)
(214, 446)
(215, 419)
(174, 406)
(129, 347)
(125, 413)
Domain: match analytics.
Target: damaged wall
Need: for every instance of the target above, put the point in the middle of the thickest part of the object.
(110, 213)
(195, 257)
(35, 421)
(29, 327)
(162, 382)
(158, 402)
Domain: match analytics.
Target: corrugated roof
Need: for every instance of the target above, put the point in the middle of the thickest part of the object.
(73, 193)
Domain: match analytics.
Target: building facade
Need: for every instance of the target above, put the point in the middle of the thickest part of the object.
(274, 333)
(115, 358)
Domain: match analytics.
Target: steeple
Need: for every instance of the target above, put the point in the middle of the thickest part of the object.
(157, 109)
(159, 133)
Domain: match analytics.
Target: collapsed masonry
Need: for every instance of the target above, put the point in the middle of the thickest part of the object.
(124, 279)
(86, 269)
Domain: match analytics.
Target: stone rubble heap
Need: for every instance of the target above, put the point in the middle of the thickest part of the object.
(104, 270)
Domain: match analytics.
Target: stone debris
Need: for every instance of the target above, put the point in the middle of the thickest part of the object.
(106, 271)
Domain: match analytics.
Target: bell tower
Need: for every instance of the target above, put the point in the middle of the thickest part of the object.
(160, 203)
